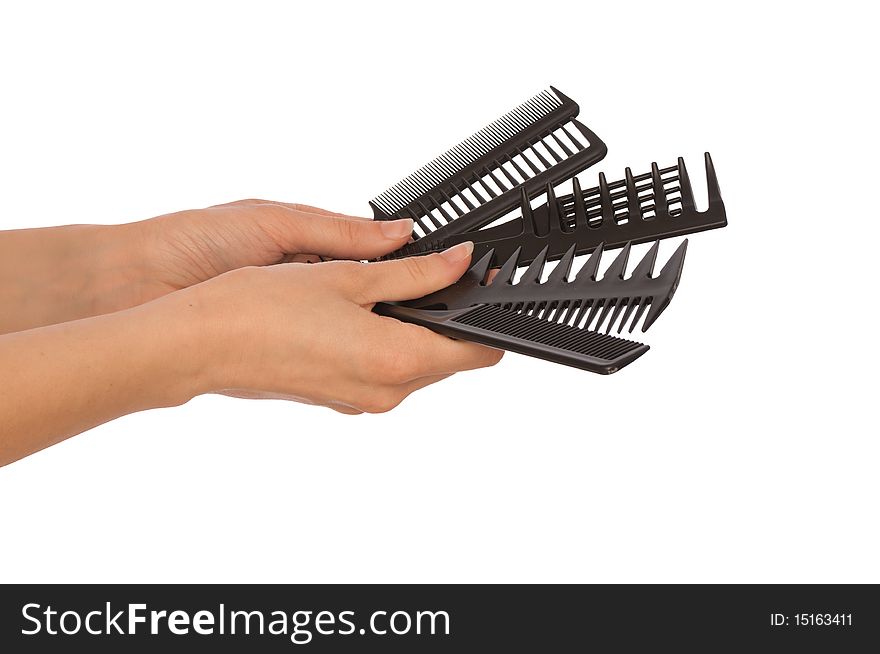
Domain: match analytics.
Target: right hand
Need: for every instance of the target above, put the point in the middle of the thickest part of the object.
(306, 332)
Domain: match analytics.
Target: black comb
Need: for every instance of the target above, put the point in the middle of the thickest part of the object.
(552, 319)
(519, 332)
(485, 176)
(568, 300)
(636, 209)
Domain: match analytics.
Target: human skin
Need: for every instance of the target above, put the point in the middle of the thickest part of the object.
(99, 322)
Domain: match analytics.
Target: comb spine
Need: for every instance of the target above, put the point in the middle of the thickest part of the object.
(659, 183)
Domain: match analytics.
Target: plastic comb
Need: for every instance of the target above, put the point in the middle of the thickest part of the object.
(637, 209)
(519, 332)
(484, 177)
(564, 299)
(557, 319)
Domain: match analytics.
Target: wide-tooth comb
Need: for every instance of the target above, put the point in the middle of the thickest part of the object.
(519, 332)
(637, 209)
(483, 177)
(582, 301)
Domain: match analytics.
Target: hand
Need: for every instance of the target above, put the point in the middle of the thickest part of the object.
(307, 333)
(189, 247)
(58, 274)
(298, 331)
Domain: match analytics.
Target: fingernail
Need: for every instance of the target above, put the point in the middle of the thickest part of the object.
(458, 252)
(396, 229)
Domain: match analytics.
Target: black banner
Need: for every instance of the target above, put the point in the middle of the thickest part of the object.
(438, 618)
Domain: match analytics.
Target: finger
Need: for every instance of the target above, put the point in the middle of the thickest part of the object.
(337, 236)
(301, 228)
(440, 355)
(411, 277)
(307, 208)
(410, 352)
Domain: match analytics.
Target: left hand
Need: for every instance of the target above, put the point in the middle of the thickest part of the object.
(185, 248)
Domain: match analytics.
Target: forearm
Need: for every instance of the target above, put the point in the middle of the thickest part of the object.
(60, 380)
(57, 274)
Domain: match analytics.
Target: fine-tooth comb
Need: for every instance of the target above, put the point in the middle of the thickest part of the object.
(484, 176)
(636, 209)
(519, 332)
(557, 319)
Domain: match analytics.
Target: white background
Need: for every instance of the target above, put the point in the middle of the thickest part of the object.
(742, 447)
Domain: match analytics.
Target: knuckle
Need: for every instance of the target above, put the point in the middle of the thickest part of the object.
(417, 268)
(347, 229)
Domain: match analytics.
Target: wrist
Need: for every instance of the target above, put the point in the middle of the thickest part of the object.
(185, 351)
(119, 275)
(95, 269)
(217, 319)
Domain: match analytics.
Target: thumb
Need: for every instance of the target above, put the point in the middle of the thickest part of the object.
(335, 235)
(412, 277)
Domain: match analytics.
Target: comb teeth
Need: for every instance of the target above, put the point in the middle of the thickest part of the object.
(467, 152)
(519, 332)
(582, 302)
(637, 209)
(480, 179)
(563, 337)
